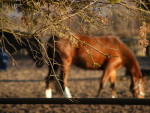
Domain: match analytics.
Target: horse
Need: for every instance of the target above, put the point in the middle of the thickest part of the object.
(106, 53)
(12, 42)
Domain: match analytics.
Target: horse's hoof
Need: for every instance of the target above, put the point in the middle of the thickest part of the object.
(67, 93)
(48, 93)
(114, 96)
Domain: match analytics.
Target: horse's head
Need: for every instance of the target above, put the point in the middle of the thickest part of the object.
(35, 50)
(137, 88)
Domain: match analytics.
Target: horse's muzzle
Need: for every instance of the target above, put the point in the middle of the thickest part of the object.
(141, 95)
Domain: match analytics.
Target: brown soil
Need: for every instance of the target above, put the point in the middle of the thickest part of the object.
(27, 81)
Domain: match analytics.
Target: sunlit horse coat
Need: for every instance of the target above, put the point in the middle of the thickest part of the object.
(105, 53)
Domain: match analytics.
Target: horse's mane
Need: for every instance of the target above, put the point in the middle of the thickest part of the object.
(128, 56)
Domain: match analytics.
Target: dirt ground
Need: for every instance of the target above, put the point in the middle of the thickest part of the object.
(24, 80)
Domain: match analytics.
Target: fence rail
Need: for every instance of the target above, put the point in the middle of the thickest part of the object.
(110, 101)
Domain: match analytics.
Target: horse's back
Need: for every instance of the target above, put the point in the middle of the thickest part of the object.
(98, 51)
(88, 50)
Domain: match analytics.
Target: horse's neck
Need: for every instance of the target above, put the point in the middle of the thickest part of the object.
(131, 62)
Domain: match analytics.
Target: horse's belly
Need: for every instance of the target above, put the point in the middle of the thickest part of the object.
(87, 62)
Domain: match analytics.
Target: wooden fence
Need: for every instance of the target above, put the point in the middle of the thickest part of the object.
(107, 101)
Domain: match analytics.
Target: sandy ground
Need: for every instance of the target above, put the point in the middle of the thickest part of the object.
(26, 81)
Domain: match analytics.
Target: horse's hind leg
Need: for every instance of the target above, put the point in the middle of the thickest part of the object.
(113, 81)
(64, 78)
(49, 79)
(48, 91)
(63, 83)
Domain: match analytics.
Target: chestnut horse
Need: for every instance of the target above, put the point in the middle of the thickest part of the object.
(105, 53)
(12, 42)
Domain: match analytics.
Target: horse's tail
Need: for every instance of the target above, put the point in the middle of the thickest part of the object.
(52, 54)
(51, 50)
(52, 38)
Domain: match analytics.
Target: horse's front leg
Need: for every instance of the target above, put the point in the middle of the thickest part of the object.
(112, 83)
(103, 81)
(108, 74)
